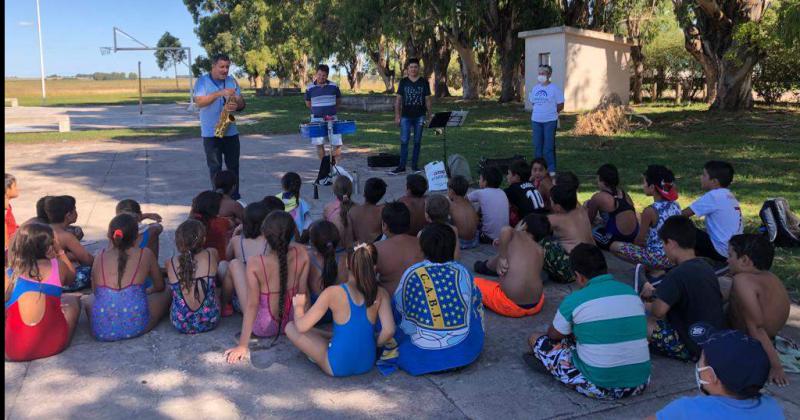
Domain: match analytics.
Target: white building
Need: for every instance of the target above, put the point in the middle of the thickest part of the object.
(587, 65)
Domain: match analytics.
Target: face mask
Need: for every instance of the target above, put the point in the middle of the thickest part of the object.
(541, 78)
(700, 382)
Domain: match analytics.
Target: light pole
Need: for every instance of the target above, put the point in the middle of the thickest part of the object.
(41, 52)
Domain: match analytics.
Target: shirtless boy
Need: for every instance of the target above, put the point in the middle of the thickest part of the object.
(60, 213)
(759, 302)
(569, 220)
(225, 184)
(416, 185)
(462, 213)
(365, 219)
(518, 292)
(399, 250)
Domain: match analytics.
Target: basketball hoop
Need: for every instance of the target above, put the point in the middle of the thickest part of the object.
(105, 50)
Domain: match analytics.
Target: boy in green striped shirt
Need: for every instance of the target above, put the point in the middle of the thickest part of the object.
(597, 343)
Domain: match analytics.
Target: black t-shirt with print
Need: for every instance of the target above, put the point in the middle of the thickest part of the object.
(692, 292)
(525, 198)
(413, 94)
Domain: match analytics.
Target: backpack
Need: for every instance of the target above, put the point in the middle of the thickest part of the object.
(780, 224)
(458, 165)
(500, 163)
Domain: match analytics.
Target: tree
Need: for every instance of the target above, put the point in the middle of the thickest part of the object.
(169, 58)
(132, 76)
(202, 64)
(460, 22)
(708, 29)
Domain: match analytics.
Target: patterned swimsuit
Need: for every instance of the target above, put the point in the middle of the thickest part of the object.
(118, 314)
(206, 316)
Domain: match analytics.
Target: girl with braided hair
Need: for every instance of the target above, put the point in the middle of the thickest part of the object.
(192, 277)
(292, 203)
(337, 210)
(122, 306)
(356, 306)
(328, 265)
(272, 281)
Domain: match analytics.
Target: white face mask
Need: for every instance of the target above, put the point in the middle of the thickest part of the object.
(700, 382)
(541, 78)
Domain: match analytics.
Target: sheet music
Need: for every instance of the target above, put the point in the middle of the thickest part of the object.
(457, 118)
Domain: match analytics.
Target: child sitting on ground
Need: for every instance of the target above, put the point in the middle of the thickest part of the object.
(687, 294)
(365, 219)
(327, 257)
(205, 208)
(519, 291)
(567, 179)
(337, 210)
(273, 203)
(615, 207)
(125, 308)
(462, 213)
(352, 349)
(271, 282)
(569, 220)
(293, 204)
(647, 248)
(523, 198)
(247, 242)
(596, 343)
(541, 180)
(225, 184)
(11, 223)
(400, 249)
(39, 320)
(60, 213)
(759, 301)
(148, 234)
(192, 279)
(416, 186)
(492, 204)
(720, 208)
(437, 210)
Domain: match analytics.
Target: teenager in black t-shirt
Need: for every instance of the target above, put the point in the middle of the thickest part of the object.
(523, 198)
(688, 293)
(412, 108)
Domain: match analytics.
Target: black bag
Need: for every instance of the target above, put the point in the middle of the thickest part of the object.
(499, 163)
(780, 224)
(383, 160)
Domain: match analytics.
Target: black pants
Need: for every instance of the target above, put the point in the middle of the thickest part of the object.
(703, 247)
(217, 149)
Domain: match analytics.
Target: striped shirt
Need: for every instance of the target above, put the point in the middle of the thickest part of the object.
(323, 98)
(608, 321)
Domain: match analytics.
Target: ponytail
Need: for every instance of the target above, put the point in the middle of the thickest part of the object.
(291, 183)
(324, 236)
(279, 228)
(610, 176)
(122, 233)
(362, 264)
(189, 239)
(343, 190)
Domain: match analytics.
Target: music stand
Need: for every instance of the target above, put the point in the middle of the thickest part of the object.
(447, 119)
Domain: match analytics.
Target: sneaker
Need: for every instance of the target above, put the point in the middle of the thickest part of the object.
(415, 170)
(534, 364)
(324, 181)
(480, 267)
(227, 310)
(397, 171)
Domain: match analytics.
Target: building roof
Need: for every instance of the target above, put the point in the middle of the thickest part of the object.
(577, 32)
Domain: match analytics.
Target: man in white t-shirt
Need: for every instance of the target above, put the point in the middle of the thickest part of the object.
(547, 101)
(720, 208)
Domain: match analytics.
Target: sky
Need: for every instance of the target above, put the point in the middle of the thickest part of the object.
(74, 30)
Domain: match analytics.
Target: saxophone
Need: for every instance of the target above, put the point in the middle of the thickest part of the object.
(225, 119)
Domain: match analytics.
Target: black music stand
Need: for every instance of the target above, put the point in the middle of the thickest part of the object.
(443, 120)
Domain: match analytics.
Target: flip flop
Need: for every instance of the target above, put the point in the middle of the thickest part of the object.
(532, 362)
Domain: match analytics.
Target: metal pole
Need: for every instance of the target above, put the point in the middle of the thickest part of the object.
(41, 52)
(191, 81)
(140, 88)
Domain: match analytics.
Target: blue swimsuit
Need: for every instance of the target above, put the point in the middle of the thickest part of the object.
(352, 350)
(118, 314)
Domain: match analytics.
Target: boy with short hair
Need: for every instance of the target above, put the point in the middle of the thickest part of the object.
(437, 210)
(399, 250)
(519, 291)
(567, 179)
(416, 186)
(570, 221)
(731, 372)
(607, 320)
(720, 208)
(541, 180)
(365, 219)
(523, 198)
(60, 213)
(688, 293)
(759, 303)
(462, 213)
(492, 204)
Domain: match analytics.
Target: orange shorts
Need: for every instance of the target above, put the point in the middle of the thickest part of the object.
(495, 299)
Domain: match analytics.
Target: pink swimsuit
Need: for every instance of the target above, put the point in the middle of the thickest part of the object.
(265, 324)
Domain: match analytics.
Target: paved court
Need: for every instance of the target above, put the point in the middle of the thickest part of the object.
(164, 374)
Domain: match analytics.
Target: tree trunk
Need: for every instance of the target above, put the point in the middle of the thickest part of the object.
(470, 73)
(382, 67)
(441, 61)
(176, 76)
(637, 58)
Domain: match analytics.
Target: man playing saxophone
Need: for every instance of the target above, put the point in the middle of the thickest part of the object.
(218, 95)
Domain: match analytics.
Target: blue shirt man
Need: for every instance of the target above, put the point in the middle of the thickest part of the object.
(212, 92)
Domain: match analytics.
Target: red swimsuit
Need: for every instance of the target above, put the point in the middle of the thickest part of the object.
(47, 337)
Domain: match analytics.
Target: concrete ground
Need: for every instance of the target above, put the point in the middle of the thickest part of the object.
(105, 117)
(164, 374)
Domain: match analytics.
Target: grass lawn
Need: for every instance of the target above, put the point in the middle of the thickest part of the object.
(761, 144)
